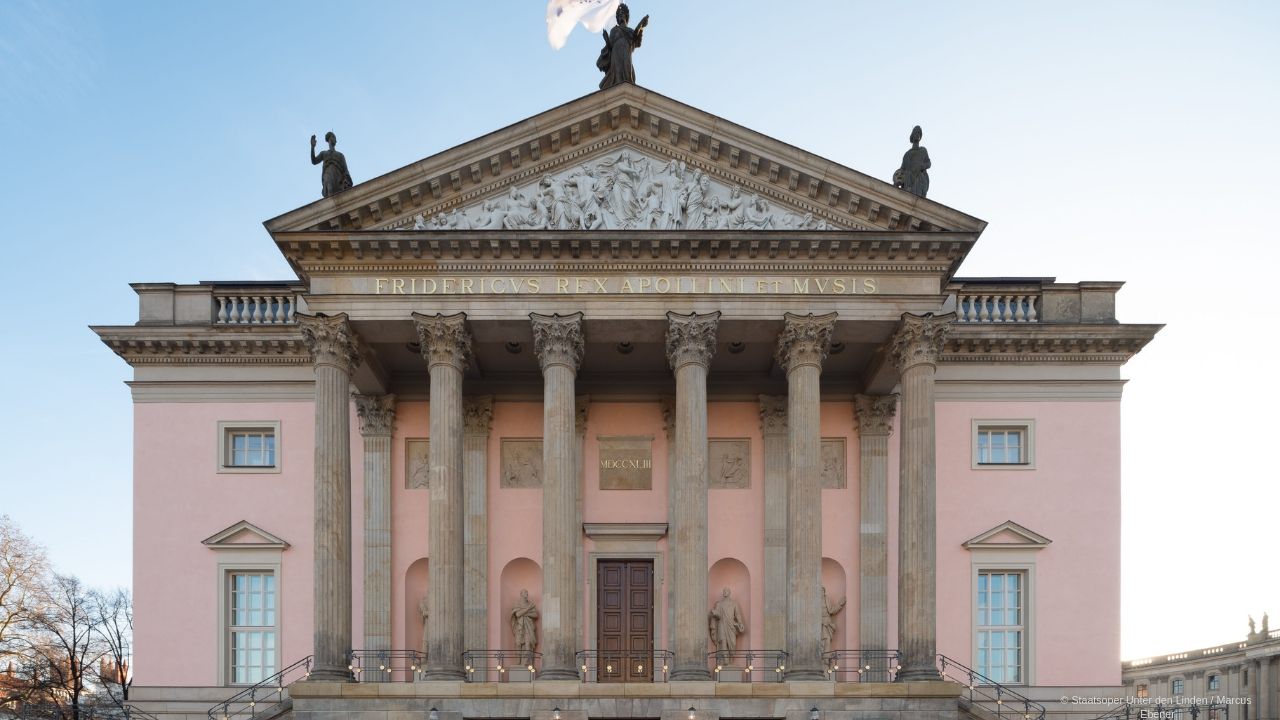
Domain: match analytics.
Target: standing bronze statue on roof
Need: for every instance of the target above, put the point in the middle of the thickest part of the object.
(334, 177)
(913, 176)
(619, 43)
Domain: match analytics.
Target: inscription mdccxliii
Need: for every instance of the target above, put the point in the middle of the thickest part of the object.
(626, 463)
(619, 285)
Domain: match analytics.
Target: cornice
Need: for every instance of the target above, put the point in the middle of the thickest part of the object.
(1045, 343)
(626, 114)
(211, 345)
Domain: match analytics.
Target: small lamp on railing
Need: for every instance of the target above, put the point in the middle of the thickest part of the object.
(433, 715)
(813, 713)
(555, 714)
(693, 714)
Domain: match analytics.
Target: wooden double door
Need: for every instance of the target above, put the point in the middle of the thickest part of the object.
(624, 620)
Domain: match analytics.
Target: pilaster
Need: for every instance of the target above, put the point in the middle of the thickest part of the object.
(874, 415)
(477, 419)
(377, 416)
(773, 430)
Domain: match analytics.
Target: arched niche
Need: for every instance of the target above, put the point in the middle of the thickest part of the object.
(415, 589)
(731, 573)
(833, 579)
(519, 574)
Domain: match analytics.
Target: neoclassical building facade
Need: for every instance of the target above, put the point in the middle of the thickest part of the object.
(625, 411)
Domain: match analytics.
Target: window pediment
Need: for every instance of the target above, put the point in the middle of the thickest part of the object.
(244, 535)
(1007, 535)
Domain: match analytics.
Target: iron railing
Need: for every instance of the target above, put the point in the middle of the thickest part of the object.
(501, 665)
(748, 665)
(386, 665)
(133, 713)
(996, 698)
(862, 665)
(259, 697)
(606, 666)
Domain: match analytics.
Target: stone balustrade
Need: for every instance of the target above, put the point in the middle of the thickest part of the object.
(998, 308)
(254, 309)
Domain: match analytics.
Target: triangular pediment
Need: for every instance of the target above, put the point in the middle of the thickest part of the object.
(244, 535)
(625, 158)
(1008, 535)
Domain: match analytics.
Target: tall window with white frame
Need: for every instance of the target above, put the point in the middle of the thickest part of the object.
(1001, 625)
(251, 626)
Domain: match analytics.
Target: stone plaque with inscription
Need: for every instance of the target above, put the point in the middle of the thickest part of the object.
(833, 471)
(729, 464)
(417, 463)
(521, 463)
(626, 463)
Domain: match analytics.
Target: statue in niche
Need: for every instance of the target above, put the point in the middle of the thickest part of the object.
(725, 623)
(334, 177)
(913, 176)
(425, 612)
(619, 43)
(829, 620)
(523, 615)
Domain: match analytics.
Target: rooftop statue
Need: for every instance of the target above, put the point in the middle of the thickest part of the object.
(334, 177)
(913, 176)
(619, 43)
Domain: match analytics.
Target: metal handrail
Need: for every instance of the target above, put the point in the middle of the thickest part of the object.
(983, 689)
(755, 665)
(269, 692)
(386, 665)
(133, 713)
(862, 665)
(480, 665)
(598, 665)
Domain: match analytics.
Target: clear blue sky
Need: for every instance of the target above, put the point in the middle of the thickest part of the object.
(147, 141)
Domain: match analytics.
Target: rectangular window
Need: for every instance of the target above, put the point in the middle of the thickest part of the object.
(248, 447)
(1143, 691)
(1003, 444)
(251, 626)
(1215, 682)
(1178, 686)
(1001, 625)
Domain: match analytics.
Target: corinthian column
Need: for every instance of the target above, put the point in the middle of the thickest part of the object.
(773, 428)
(915, 349)
(377, 414)
(558, 342)
(446, 346)
(477, 419)
(874, 414)
(802, 346)
(335, 352)
(691, 341)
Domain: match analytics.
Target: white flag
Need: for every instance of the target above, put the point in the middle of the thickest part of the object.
(562, 15)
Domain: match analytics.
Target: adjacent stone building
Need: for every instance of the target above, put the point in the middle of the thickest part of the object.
(625, 356)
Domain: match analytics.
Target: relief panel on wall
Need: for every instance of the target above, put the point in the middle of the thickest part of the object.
(521, 463)
(729, 463)
(417, 463)
(833, 465)
(626, 463)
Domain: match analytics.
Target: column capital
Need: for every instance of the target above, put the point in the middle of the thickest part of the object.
(330, 340)
(558, 340)
(377, 414)
(874, 413)
(773, 414)
(477, 414)
(805, 340)
(919, 339)
(445, 339)
(691, 338)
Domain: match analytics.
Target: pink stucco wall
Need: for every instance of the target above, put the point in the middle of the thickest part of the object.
(1072, 497)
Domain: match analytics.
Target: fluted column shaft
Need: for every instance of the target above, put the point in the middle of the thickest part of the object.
(773, 429)
(558, 343)
(446, 346)
(334, 351)
(874, 414)
(691, 343)
(802, 346)
(915, 351)
(377, 416)
(477, 420)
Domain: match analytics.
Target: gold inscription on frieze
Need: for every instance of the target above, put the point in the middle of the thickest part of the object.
(622, 285)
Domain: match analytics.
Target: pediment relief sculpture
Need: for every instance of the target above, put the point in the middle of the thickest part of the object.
(624, 191)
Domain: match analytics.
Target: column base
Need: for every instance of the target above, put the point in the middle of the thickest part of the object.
(443, 674)
(330, 674)
(918, 673)
(796, 673)
(558, 674)
(691, 673)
